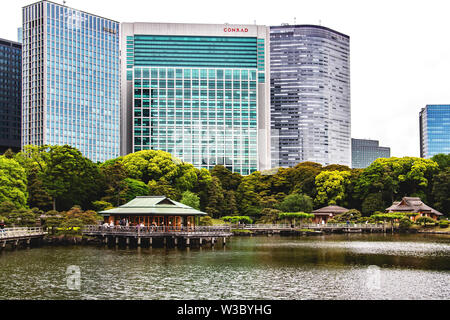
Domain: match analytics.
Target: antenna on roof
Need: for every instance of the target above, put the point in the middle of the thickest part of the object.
(254, 21)
(320, 22)
(295, 20)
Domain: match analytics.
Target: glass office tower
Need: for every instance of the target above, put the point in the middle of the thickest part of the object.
(434, 121)
(10, 94)
(310, 95)
(364, 152)
(71, 80)
(198, 92)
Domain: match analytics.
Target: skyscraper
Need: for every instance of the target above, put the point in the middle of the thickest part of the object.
(71, 80)
(198, 91)
(310, 95)
(364, 152)
(10, 93)
(434, 122)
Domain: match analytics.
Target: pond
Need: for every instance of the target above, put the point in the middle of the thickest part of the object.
(354, 266)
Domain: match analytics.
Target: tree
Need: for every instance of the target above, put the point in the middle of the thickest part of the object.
(443, 160)
(114, 175)
(230, 207)
(228, 179)
(66, 175)
(214, 206)
(441, 191)
(135, 188)
(13, 182)
(373, 202)
(397, 177)
(191, 199)
(295, 203)
(331, 187)
(163, 188)
(102, 205)
(303, 177)
(269, 215)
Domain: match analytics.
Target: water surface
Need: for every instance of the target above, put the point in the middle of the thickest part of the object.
(327, 267)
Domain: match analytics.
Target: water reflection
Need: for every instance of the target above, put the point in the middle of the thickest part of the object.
(331, 267)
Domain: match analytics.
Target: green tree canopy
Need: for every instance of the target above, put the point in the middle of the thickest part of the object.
(190, 199)
(13, 182)
(295, 203)
(331, 187)
(397, 177)
(135, 188)
(443, 160)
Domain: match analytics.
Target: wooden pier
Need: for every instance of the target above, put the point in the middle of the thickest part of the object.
(326, 228)
(17, 236)
(162, 235)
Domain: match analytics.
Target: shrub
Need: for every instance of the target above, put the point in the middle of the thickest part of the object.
(425, 220)
(236, 219)
(444, 223)
(405, 223)
(206, 221)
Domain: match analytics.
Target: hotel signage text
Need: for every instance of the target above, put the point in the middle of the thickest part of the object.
(228, 29)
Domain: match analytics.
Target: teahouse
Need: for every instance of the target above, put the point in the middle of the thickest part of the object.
(414, 204)
(153, 211)
(322, 215)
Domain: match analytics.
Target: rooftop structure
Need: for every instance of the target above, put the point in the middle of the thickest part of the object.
(414, 204)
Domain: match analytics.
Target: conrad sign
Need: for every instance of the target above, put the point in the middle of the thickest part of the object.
(230, 29)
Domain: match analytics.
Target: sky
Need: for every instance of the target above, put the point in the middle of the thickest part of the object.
(399, 50)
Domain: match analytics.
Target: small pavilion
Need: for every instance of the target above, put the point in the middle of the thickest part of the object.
(322, 215)
(153, 211)
(414, 204)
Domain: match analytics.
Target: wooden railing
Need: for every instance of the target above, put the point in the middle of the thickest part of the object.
(142, 231)
(342, 225)
(308, 226)
(22, 232)
(261, 226)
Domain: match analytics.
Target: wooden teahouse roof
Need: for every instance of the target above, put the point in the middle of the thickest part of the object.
(330, 209)
(411, 204)
(153, 205)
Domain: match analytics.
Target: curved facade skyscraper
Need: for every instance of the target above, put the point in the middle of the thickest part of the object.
(310, 95)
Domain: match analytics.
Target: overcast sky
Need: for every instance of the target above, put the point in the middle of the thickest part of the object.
(399, 50)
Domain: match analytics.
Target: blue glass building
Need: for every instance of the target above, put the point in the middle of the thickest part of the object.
(197, 91)
(434, 122)
(71, 80)
(10, 94)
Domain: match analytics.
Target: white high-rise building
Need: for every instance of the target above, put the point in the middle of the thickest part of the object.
(310, 95)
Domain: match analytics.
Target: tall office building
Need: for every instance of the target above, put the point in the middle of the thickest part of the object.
(364, 152)
(10, 93)
(310, 95)
(197, 91)
(71, 80)
(434, 122)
